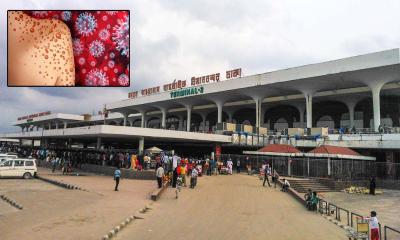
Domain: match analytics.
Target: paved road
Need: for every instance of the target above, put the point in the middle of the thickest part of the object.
(52, 212)
(230, 207)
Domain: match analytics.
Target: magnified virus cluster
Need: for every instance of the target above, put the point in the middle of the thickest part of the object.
(100, 42)
(77, 46)
(121, 36)
(96, 77)
(96, 48)
(85, 24)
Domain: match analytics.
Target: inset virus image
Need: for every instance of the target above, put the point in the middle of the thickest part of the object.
(121, 36)
(96, 48)
(86, 24)
(99, 42)
(96, 77)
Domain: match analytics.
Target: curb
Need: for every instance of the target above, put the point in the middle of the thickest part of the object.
(157, 193)
(113, 232)
(341, 225)
(60, 184)
(11, 202)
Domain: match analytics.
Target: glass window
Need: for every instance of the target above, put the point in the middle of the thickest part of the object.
(19, 163)
(7, 164)
(28, 163)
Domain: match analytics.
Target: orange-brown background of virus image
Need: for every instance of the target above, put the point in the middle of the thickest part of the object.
(100, 47)
(39, 52)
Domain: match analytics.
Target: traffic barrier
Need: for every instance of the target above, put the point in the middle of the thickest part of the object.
(11, 202)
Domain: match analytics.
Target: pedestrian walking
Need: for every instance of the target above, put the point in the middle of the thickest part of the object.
(183, 173)
(372, 186)
(267, 172)
(229, 164)
(160, 175)
(238, 165)
(174, 177)
(275, 177)
(54, 162)
(193, 179)
(117, 176)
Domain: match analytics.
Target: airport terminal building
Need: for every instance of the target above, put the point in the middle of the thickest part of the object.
(352, 102)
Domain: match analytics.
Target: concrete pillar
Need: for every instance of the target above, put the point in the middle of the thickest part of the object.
(49, 124)
(262, 116)
(230, 116)
(308, 97)
(308, 166)
(301, 113)
(180, 125)
(329, 166)
(141, 146)
(204, 118)
(289, 166)
(220, 105)
(188, 118)
(390, 167)
(376, 90)
(98, 145)
(125, 115)
(351, 107)
(143, 122)
(130, 123)
(56, 125)
(65, 124)
(164, 118)
(258, 102)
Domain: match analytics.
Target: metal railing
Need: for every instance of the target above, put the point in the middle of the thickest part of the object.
(331, 209)
(386, 230)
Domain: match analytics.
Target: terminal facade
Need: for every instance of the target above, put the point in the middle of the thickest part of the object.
(359, 95)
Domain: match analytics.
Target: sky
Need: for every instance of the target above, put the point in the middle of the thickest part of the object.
(180, 39)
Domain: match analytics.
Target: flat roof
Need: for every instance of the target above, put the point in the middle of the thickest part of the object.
(351, 72)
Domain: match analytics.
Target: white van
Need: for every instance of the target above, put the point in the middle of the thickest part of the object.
(18, 167)
(4, 157)
(8, 155)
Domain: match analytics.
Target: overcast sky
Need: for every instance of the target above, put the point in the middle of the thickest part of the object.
(179, 39)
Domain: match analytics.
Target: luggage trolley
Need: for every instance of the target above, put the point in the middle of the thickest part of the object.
(361, 231)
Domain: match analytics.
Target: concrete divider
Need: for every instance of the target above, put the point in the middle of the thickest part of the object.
(11, 202)
(125, 173)
(124, 223)
(294, 193)
(157, 193)
(59, 184)
(109, 171)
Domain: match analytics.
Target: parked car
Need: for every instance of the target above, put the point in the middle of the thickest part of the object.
(18, 167)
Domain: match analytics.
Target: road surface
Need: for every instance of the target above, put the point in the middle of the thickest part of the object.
(230, 207)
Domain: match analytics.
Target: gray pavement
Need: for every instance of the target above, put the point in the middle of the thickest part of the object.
(230, 207)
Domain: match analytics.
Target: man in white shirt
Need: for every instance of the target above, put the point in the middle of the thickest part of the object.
(193, 179)
(174, 162)
(160, 175)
